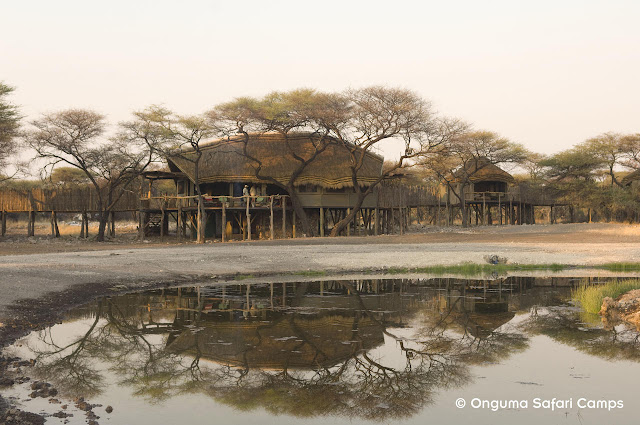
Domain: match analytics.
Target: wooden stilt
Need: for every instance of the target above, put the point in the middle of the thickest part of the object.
(484, 209)
(179, 219)
(141, 232)
(293, 224)
(4, 222)
(284, 217)
(163, 217)
(510, 210)
(248, 216)
(321, 222)
(349, 224)
(53, 229)
(376, 221)
(271, 230)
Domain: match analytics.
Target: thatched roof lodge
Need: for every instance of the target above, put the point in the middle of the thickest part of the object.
(224, 169)
(482, 179)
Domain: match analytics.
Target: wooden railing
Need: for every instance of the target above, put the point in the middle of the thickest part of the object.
(175, 202)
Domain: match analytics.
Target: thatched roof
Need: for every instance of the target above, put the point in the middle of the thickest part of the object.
(223, 161)
(482, 169)
(631, 177)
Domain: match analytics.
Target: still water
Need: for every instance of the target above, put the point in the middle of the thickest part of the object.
(404, 351)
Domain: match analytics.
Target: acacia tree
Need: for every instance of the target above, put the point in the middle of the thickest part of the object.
(282, 112)
(609, 149)
(462, 157)
(178, 136)
(75, 138)
(572, 175)
(9, 124)
(377, 114)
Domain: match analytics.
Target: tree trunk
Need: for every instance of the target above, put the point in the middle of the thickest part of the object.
(301, 214)
(102, 225)
(346, 221)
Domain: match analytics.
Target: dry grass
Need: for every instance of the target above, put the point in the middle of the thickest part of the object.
(591, 297)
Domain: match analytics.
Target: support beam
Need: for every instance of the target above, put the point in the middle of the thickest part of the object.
(248, 214)
(55, 231)
(179, 219)
(376, 221)
(321, 222)
(223, 224)
(284, 217)
(4, 222)
(293, 223)
(141, 233)
(271, 230)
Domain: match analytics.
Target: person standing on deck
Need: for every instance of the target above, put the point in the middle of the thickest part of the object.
(245, 194)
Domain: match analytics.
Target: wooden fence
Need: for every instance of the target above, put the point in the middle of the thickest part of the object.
(60, 200)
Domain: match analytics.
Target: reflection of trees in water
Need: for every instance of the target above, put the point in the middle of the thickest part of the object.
(567, 326)
(289, 363)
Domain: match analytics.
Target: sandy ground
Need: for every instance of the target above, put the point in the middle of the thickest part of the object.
(40, 277)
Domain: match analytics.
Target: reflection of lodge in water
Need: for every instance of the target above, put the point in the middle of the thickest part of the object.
(318, 324)
(286, 325)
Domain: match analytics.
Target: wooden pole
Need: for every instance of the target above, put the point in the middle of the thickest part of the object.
(163, 217)
(348, 225)
(271, 230)
(248, 214)
(510, 210)
(86, 224)
(284, 217)
(484, 209)
(500, 208)
(30, 231)
(376, 221)
(53, 229)
(55, 224)
(4, 222)
(321, 222)
(180, 218)
(223, 225)
(293, 223)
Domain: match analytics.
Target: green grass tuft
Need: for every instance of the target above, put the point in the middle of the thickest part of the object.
(590, 297)
(471, 269)
(620, 267)
(311, 273)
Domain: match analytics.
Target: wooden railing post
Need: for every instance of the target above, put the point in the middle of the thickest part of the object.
(271, 230)
(179, 220)
(223, 225)
(284, 216)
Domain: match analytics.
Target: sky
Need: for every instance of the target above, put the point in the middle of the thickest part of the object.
(547, 74)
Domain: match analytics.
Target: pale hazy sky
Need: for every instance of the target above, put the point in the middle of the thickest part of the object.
(547, 74)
